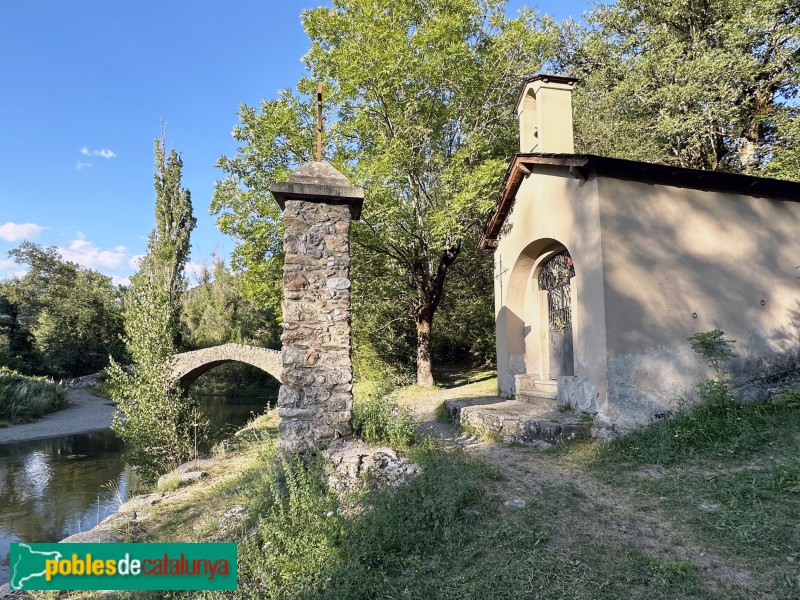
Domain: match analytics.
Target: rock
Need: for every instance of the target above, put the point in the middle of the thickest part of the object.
(183, 475)
(355, 464)
(193, 465)
(6, 593)
(515, 503)
(102, 536)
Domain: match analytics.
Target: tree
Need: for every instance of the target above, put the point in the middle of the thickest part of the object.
(168, 248)
(157, 418)
(59, 318)
(420, 95)
(81, 326)
(217, 312)
(709, 84)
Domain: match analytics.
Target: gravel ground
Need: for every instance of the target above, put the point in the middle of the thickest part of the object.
(86, 412)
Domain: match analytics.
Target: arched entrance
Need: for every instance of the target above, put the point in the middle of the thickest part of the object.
(554, 279)
(535, 322)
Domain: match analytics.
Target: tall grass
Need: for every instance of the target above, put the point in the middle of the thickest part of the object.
(378, 420)
(24, 398)
(720, 427)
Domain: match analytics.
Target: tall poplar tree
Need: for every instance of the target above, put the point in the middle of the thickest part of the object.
(157, 417)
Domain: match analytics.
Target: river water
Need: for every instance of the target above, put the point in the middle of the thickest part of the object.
(55, 487)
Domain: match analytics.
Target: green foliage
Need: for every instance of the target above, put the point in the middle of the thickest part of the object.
(789, 398)
(719, 420)
(719, 425)
(24, 398)
(419, 96)
(168, 247)
(705, 85)
(715, 349)
(377, 420)
(157, 419)
(296, 534)
(465, 320)
(59, 318)
(303, 544)
(216, 312)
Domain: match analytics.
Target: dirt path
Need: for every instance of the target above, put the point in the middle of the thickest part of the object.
(587, 511)
(86, 412)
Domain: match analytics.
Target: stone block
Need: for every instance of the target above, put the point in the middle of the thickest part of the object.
(294, 281)
(577, 393)
(308, 412)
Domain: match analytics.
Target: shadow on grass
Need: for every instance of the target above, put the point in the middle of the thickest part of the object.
(454, 376)
(443, 534)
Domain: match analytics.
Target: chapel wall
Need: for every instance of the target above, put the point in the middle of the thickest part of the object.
(551, 207)
(679, 261)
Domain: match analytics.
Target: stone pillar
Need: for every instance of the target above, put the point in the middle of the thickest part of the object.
(316, 397)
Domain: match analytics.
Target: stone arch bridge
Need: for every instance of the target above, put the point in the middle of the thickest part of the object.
(189, 366)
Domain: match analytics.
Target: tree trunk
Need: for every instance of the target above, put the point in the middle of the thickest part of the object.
(424, 366)
(430, 287)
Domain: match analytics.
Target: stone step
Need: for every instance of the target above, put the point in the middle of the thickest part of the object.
(530, 383)
(541, 399)
(512, 421)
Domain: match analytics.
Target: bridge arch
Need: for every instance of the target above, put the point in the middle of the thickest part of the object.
(188, 366)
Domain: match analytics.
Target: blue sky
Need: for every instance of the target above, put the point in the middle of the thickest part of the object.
(84, 88)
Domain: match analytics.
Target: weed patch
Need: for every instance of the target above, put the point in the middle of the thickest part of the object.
(377, 420)
(719, 428)
(24, 398)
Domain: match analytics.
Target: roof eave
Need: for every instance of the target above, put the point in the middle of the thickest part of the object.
(520, 167)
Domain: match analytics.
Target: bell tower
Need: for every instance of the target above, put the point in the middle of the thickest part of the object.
(544, 108)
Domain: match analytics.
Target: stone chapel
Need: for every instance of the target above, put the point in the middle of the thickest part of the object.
(604, 267)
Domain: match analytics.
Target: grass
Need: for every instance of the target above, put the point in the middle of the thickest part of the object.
(377, 420)
(728, 474)
(719, 427)
(24, 398)
(712, 516)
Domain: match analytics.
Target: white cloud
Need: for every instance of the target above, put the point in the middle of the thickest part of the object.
(117, 280)
(9, 269)
(103, 152)
(85, 253)
(15, 232)
(133, 261)
(79, 165)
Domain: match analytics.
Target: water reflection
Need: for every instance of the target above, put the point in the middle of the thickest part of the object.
(52, 488)
(226, 415)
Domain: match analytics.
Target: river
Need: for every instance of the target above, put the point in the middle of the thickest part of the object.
(54, 487)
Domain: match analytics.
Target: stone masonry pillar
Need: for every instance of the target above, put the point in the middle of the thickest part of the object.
(316, 398)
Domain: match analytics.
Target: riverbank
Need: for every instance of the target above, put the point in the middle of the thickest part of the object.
(711, 519)
(86, 412)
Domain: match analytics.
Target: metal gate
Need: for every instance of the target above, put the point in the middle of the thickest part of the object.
(554, 278)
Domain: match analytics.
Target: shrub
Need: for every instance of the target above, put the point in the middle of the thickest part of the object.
(296, 533)
(714, 348)
(377, 420)
(24, 398)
